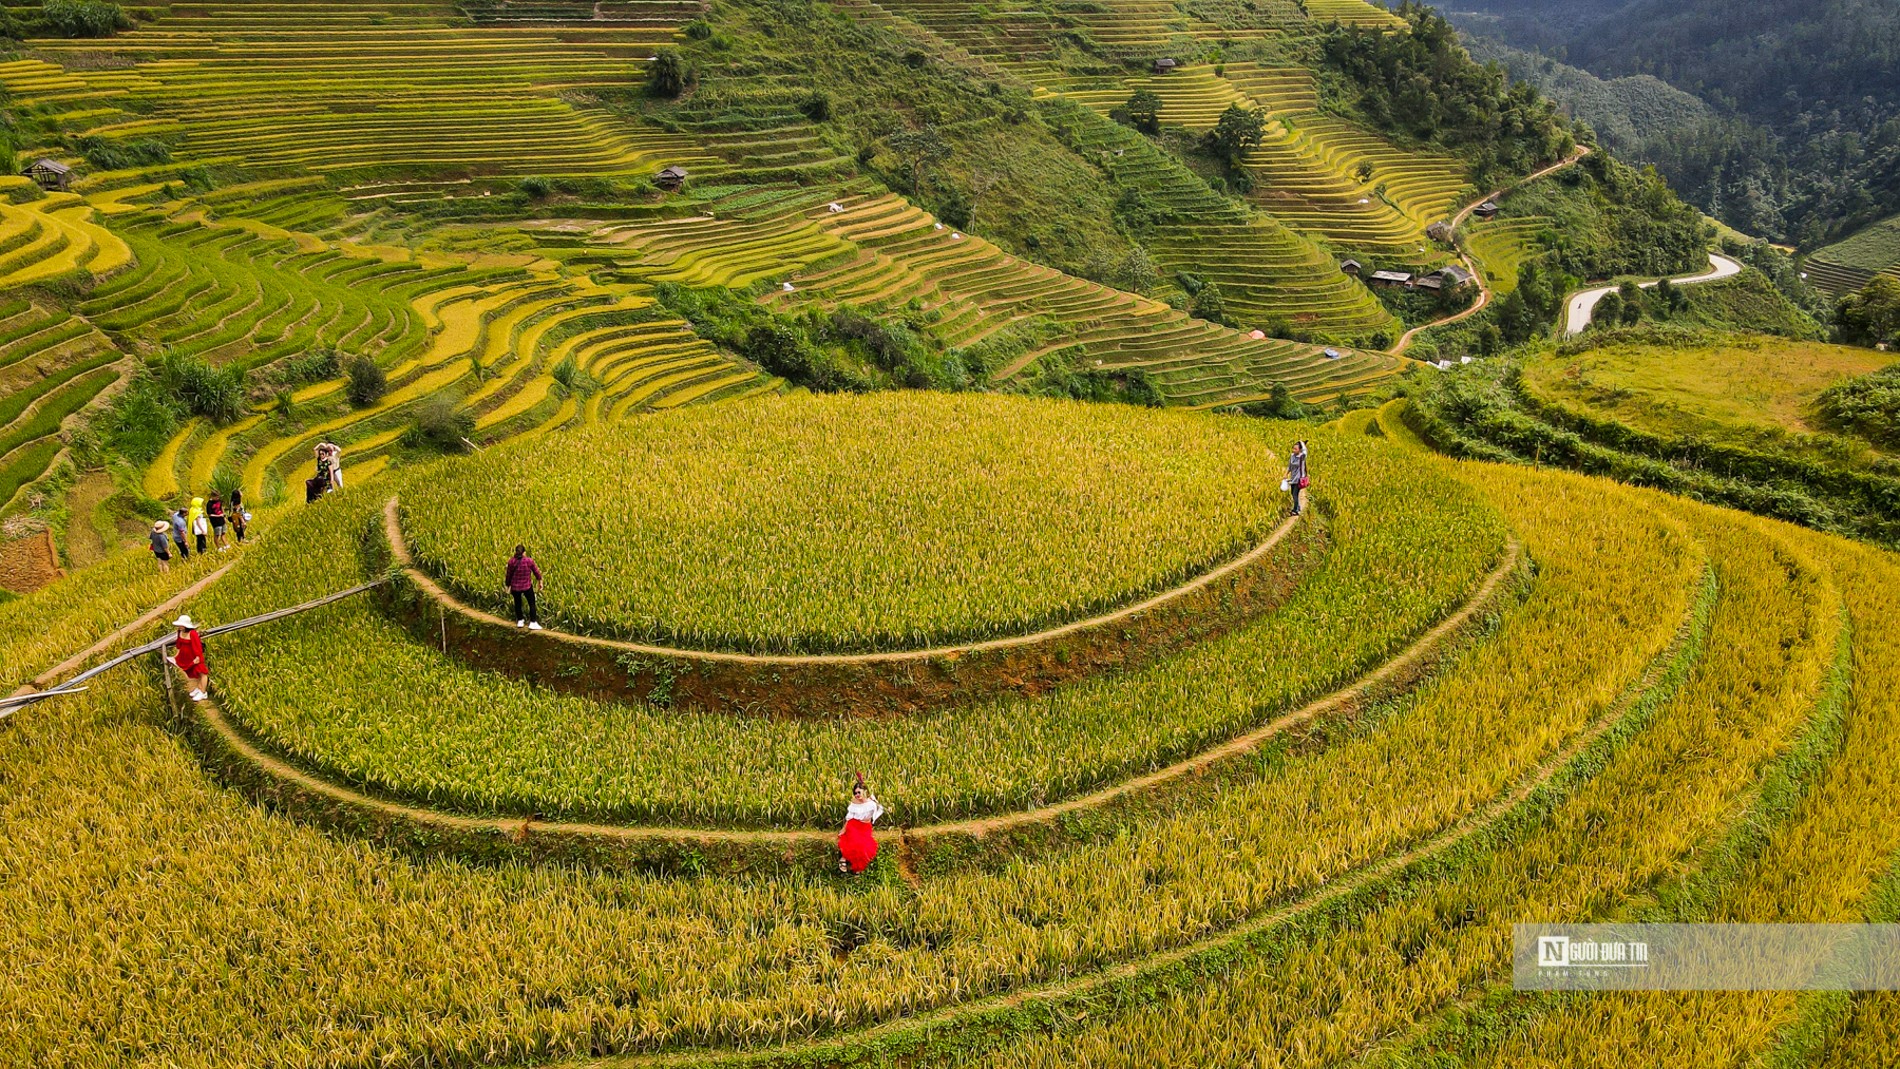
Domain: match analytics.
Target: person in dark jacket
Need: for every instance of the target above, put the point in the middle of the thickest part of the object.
(214, 511)
(1296, 474)
(523, 577)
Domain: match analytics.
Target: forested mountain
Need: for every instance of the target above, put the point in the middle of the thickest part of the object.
(1802, 142)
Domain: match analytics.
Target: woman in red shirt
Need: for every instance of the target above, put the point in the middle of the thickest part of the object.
(188, 653)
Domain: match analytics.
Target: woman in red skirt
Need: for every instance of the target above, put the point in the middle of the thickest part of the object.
(188, 653)
(857, 844)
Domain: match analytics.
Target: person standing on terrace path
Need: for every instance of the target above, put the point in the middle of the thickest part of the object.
(857, 844)
(1296, 480)
(200, 527)
(214, 511)
(523, 577)
(240, 519)
(180, 527)
(188, 653)
(162, 545)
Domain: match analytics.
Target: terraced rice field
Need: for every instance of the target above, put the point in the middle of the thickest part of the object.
(1309, 166)
(267, 85)
(1845, 266)
(304, 139)
(1501, 247)
(1205, 859)
(979, 290)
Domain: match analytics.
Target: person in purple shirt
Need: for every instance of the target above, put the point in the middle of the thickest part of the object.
(523, 577)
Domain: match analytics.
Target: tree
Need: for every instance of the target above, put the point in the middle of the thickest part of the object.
(1209, 305)
(1871, 316)
(668, 75)
(367, 382)
(1632, 300)
(1669, 296)
(919, 150)
(1609, 311)
(1143, 111)
(1237, 130)
(1136, 273)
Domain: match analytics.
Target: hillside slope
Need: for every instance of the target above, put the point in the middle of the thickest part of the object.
(1805, 145)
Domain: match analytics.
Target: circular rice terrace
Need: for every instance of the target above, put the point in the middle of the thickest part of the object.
(428, 730)
(829, 524)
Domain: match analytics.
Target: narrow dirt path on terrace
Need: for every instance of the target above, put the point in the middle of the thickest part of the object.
(399, 549)
(1421, 648)
(51, 675)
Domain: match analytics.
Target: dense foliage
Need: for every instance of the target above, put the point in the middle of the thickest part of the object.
(1484, 411)
(1605, 218)
(1871, 316)
(1423, 86)
(1804, 141)
(83, 18)
(1868, 406)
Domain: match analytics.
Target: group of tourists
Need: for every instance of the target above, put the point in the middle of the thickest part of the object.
(203, 522)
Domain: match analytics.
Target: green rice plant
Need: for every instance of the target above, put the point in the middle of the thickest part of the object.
(54, 407)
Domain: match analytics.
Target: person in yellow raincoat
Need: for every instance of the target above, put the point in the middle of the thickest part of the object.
(195, 520)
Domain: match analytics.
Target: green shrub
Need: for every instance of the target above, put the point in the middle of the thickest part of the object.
(668, 75)
(109, 155)
(441, 424)
(1868, 406)
(83, 18)
(368, 384)
(214, 393)
(317, 365)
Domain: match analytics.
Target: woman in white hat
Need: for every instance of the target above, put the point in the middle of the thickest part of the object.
(162, 544)
(188, 653)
